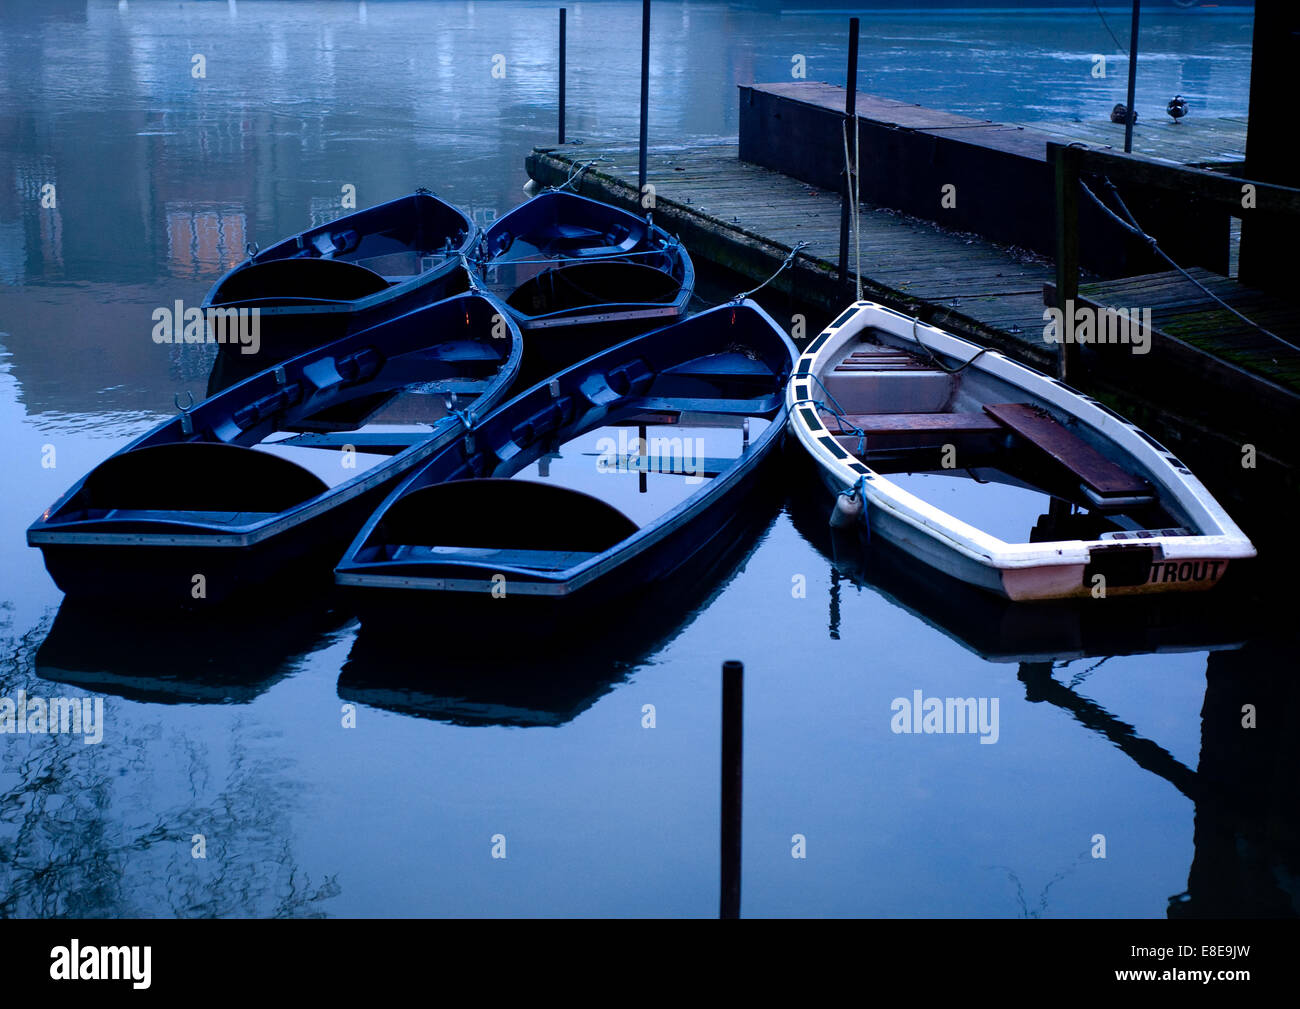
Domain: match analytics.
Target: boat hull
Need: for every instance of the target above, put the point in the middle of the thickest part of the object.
(462, 531)
(193, 515)
(1134, 563)
(287, 331)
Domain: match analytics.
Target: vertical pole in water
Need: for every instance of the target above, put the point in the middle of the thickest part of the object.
(645, 89)
(1132, 78)
(1066, 163)
(563, 14)
(850, 182)
(643, 453)
(733, 719)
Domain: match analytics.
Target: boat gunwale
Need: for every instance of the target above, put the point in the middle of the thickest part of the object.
(445, 430)
(350, 572)
(473, 234)
(604, 311)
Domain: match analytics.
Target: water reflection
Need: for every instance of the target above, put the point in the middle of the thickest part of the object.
(184, 659)
(110, 830)
(545, 674)
(1246, 785)
(999, 630)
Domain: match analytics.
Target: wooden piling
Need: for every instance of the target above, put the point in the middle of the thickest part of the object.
(563, 16)
(1067, 255)
(850, 179)
(1131, 118)
(645, 91)
(733, 718)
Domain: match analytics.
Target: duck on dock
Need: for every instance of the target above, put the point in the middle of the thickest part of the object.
(1119, 114)
(1177, 107)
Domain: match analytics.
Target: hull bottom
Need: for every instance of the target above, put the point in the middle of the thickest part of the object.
(1043, 582)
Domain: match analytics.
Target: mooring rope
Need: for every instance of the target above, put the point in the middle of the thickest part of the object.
(1132, 226)
(939, 364)
(836, 411)
(798, 247)
(576, 171)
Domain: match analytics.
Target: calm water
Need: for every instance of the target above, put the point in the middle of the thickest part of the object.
(234, 731)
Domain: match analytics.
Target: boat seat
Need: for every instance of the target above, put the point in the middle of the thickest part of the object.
(199, 476)
(1104, 477)
(596, 251)
(281, 279)
(504, 514)
(889, 431)
(456, 350)
(883, 359)
(726, 365)
(890, 423)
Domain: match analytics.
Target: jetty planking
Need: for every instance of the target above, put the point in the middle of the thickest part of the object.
(748, 219)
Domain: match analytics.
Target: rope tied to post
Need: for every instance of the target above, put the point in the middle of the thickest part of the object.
(852, 182)
(1132, 226)
(785, 264)
(576, 173)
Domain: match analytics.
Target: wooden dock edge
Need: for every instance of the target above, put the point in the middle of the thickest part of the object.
(1217, 399)
(808, 281)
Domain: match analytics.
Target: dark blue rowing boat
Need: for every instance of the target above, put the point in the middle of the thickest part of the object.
(350, 274)
(272, 477)
(605, 478)
(580, 275)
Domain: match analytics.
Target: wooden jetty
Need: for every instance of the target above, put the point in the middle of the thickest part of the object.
(1223, 379)
(748, 219)
(1207, 388)
(995, 179)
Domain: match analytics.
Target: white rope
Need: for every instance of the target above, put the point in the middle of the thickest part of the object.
(850, 171)
(857, 209)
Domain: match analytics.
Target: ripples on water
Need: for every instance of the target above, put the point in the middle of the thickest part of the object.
(1127, 728)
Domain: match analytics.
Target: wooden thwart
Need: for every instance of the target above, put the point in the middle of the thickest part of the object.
(898, 423)
(882, 359)
(1106, 478)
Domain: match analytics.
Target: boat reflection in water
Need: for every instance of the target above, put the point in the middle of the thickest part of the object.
(184, 659)
(998, 629)
(1246, 783)
(542, 673)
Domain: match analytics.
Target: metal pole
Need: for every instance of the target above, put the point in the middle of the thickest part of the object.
(850, 111)
(645, 88)
(733, 719)
(1132, 78)
(563, 14)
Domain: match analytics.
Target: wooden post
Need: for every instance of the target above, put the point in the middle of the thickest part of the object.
(1067, 253)
(733, 719)
(850, 113)
(645, 92)
(563, 14)
(1269, 254)
(1132, 78)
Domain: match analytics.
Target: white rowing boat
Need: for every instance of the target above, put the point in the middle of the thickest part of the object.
(995, 473)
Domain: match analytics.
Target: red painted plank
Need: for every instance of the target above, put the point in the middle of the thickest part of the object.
(1104, 476)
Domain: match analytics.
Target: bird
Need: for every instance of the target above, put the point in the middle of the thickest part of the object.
(1119, 114)
(1177, 107)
